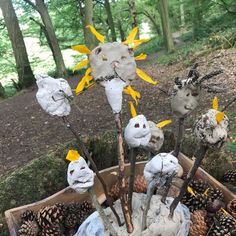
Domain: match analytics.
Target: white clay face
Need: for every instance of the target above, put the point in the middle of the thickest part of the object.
(157, 138)
(52, 94)
(79, 176)
(209, 132)
(137, 132)
(110, 58)
(184, 99)
(164, 163)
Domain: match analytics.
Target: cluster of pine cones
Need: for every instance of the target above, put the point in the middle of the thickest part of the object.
(55, 220)
(208, 214)
(230, 176)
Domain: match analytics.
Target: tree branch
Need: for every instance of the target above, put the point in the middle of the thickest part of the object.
(32, 5)
(37, 22)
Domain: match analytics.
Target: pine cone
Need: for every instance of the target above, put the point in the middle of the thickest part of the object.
(28, 215)
(29, 228)
(198, 226)
(71, 221)
(86, 209)
(140, 184)
(231, 207)
(199, 186)
(52, 230)
(230, 176)
(50, 215)
(215, 193)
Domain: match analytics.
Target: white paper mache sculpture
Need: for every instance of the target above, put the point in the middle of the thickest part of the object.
(160, 166)
(157, 138)
(137, 132)
(79, 176)
(113, 66)
(184, 97)
(52, 95)
(209, 132)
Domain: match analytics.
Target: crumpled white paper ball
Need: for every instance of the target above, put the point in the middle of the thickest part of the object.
(79, 176)
(184, 98)
(114, 92)
(209, 132)
(137, 132)
(164, 163)
(157, 138)
(51, 95)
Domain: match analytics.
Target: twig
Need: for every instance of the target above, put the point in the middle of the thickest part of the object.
(150, 191)
(167, 187)
(132, 175)
(86, 154)
(210, 75)
(121, 177)
(199, 157)
(229, 103)
(208, 232)
(192, 70)
(179, 137)
(101, 212)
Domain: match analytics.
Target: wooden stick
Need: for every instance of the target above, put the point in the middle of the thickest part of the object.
(101, 212)
(150, 191)
(121, 177)
(87, 155)
(199, 157)
(179, 137)
(167, 187)
(132, 176)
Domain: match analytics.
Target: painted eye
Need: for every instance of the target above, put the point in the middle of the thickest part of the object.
(187, 94)
(82, 168)
(144, 126)
(136, 125)
(104, 58)
(123, 57)
(98, 50)
(72, 171)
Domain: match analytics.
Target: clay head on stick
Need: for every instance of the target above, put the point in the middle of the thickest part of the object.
(53, 95)
(79, 176)
(212, 128)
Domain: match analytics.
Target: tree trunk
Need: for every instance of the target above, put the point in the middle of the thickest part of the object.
(110, 20)
(182, 17)
(52, 39)
(122, 33)
(163, 7)
(25, 74)
(90, 39)
(197, 18)
(133, 14)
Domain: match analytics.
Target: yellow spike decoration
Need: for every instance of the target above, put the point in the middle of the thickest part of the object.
(145, 77)
(82, 49)
(134, 94)
(219, 117)
(96, 34)
(132, 110)
(138, 42)
(163, 123)
(72, 155)
(85, 80)
(215, 103)
(131, 37)
(88, 71)
(140, 57)
(190, 190)
(80, 65)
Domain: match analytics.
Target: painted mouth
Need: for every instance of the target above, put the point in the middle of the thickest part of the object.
(187, 108)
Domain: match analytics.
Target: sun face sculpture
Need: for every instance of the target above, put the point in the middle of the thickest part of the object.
(113, 66)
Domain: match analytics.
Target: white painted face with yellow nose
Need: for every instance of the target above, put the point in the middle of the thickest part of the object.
(137, 132)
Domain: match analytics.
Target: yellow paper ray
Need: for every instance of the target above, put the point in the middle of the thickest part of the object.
(219, 117)
(140, 57)
(215, 103)
(206, 192)
(132, 110)
(190, 190)
(72, 155)
(88, 71)
(82, 84)
(139, 42)
(82, 49)
(163, 123)
(134, 94)
(96, 34)
(131, 37)
(145, 77)
(80, 65)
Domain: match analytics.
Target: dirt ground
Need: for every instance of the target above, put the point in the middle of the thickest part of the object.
(27, 131)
